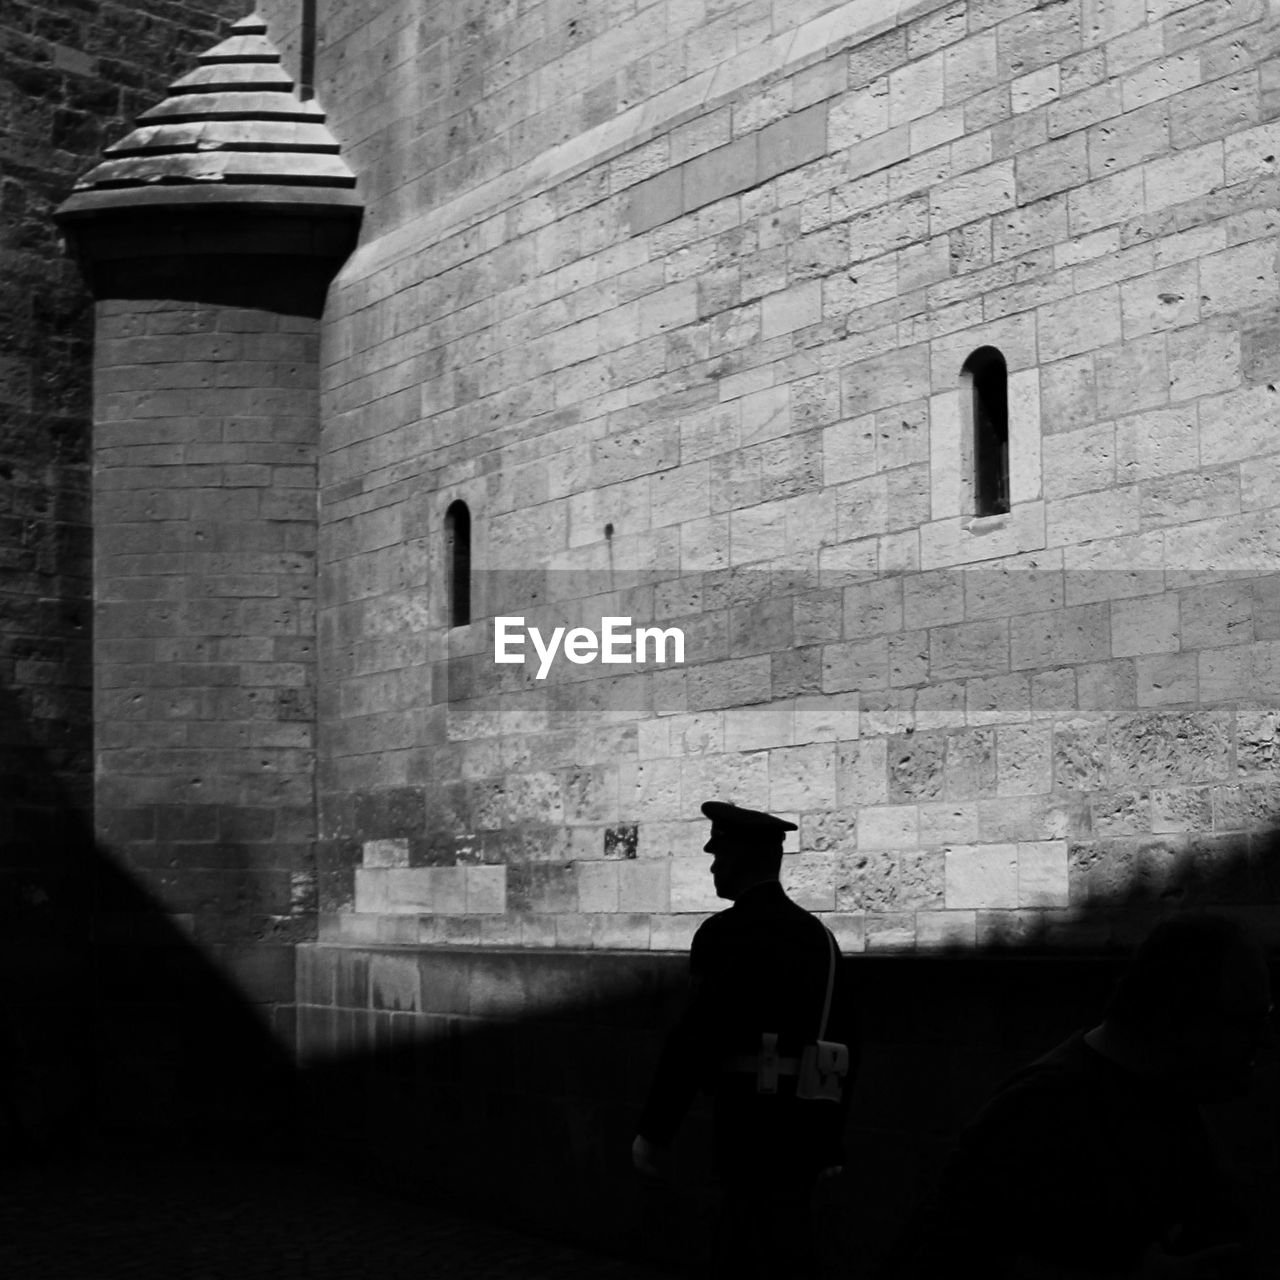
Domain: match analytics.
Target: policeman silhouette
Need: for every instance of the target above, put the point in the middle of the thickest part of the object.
(768, 1031)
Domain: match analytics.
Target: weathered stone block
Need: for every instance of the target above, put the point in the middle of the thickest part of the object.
(855, 665)
(1251, 153)
(1105, 201)
(1266, 607)
(1077, 324)
(949, 822)
(1171, 747)
(1258, 738)
(803, 777)
(867, 882)
(1120, 813)
(1035, 89)
(908, 650)
(597, 886)
(394, 982)
(1159, 442)
(1046, 170)
(892, 226)
(971, 764)
(1238, 279)
(829, 833)
(1128, 140)
(386, 853)
(644, 886)
(982, 876)
(485, 890)
(921, 879)
(656, 201)
(859, 114)
(971, 196)
(1053, 693)
(1067, 396)
(970, 67)
(1175, 180)
(997, 700)
(1042, 874)
(1176, 809)
(934, 599)
(890, 931)
(1185, 498)
(1080, 755)
(1024, 755)
(1144, 626)
(916, 767)
(1072, 635)
(887, 827)
(811, 880)
(1106, 514)
(1079, 461)
(826, 718)
(873, 608)
(1164, 300)
(969, 649)
(691, 886)
(862, 773)
(792, 142)
(946, 929)
(1237, 425)
(1021, 818)
(791, 309)
(719, 173)
(849, 929)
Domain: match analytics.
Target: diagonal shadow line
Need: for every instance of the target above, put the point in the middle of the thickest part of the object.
(119, 1033)
(508, 1084)
(514, 1084)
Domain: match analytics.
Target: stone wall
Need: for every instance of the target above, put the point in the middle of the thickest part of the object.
(510, 1082)
(72, 82)
(71, 79)
(204, 558)
(695, 359)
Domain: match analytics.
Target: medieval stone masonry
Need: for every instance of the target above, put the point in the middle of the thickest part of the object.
(516, 422)
(916, 360)
(677, 298)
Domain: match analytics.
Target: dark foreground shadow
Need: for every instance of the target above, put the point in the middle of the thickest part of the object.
(116, 1032)
(512, 1081)
(506, 1085)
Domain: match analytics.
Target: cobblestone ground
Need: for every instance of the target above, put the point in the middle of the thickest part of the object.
(156, 1222)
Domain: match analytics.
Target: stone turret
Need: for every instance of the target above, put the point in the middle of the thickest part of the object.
(231, 167)
(209, 236)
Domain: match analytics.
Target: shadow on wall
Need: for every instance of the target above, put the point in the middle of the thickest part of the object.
(509, 1083)
(116, 1032)
(432, 1072)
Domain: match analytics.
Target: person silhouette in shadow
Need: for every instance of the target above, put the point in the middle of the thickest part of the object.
(768, 1031)
(1097, 1160)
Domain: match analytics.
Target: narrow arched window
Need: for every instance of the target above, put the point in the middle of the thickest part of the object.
(988, 378)
(457, 535)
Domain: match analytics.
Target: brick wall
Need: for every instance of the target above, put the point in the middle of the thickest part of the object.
(697, 360)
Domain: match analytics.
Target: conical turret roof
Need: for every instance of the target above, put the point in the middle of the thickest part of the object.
(233, 131)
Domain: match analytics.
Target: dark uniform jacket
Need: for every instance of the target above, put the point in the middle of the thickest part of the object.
(759, 966)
